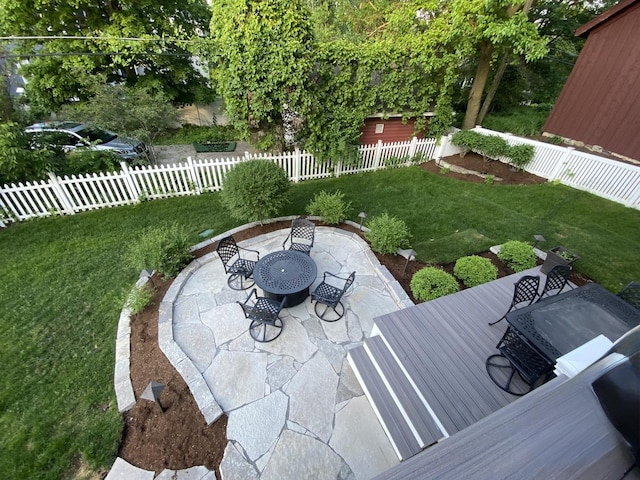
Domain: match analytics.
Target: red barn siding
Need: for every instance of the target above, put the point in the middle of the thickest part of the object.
(394, 131)
(600, 103)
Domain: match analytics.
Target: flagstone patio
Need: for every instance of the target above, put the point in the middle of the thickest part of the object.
(295, 407)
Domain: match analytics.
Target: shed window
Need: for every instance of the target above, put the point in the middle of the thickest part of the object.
(379, 127)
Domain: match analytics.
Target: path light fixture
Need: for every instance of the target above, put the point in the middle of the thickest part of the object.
(362, 216)
(409, 254)
(538, 238)
(152, 393)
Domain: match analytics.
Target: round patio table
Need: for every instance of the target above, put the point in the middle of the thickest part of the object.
(285, 273)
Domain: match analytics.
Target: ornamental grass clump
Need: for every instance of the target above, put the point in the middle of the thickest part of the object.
(164, 249)
(331, 207)
(431, 282)
(474, 270)
(517, 255)
(387, 234)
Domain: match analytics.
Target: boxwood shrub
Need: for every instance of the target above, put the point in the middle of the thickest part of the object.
(431, 282)
(474, 270)
(330, 206)
(517, 255)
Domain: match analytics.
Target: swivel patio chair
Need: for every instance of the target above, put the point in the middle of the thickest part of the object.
(631, 294)
(557, 279)
(239, 269)
(526, 291)
(329, 293)
(300, 237)
(264, 313)
(518, 368)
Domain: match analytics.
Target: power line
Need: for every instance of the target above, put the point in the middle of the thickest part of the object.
(73, 37)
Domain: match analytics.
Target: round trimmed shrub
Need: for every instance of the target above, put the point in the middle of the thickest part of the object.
(431, 282)
(387, 234)
(517, 255)
(474, 270)
(255, 190)
(330, 206)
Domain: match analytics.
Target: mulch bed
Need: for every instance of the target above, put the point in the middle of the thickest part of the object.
(179, 438)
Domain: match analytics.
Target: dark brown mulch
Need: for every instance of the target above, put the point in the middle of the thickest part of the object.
(179, 437)
(475, 162)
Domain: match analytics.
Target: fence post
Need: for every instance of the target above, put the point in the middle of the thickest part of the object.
(130, 182)
(557, 171)
(67, 205)
(193, 174)
(297, 165)
(377, 155)
(412, 149)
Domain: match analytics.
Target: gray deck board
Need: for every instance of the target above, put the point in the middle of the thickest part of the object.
(395, 423)
(406, 395)
(443, 345)
(557, 432)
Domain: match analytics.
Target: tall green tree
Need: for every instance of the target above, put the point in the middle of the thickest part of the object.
(262, 50)
(62, 69)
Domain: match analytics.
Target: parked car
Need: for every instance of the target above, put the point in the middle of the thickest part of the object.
(71, 136)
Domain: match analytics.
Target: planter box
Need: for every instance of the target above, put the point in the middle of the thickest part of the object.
(558, 256)
(214, 147)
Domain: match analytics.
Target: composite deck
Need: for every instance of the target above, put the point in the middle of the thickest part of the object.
(432, 358)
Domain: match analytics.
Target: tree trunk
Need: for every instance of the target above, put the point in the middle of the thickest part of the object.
(495, 83)
(479, 82)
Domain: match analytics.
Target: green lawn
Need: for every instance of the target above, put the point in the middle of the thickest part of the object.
(64, 280)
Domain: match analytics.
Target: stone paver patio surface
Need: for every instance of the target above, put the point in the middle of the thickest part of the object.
(295, 408)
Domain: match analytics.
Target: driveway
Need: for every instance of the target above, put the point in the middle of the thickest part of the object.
(170, 154)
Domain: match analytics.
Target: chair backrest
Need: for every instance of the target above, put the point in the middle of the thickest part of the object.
(556, 279)
(347, 283)
(302, 230)
(227, 249)
(526, 289)
(631, 294)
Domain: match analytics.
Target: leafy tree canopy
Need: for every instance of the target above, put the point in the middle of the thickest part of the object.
(65, 67)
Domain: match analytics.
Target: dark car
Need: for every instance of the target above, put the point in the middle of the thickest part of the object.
(71, 136)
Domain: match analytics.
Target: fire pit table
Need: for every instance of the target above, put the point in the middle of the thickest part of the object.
(285, 273)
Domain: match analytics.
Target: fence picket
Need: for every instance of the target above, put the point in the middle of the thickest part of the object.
(610, 179)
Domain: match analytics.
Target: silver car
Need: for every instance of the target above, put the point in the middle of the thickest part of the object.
(71, 135)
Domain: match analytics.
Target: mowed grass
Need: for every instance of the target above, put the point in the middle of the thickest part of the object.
(64, 281)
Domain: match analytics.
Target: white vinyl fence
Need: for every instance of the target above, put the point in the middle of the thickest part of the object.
(610, 179)
(130, 185)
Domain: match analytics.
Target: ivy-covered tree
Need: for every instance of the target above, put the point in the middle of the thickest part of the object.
(263, 56)
(60, 69)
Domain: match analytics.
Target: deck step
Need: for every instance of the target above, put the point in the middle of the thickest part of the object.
(416, 414)
(400, 434)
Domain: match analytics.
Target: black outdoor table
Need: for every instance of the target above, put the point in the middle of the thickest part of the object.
(559, 324)
(286, 273)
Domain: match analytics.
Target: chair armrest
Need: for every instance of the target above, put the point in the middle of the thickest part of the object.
(251, 251)
(285, 240)
(252, 292)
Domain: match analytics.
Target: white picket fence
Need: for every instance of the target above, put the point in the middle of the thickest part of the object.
(610, 179)
(69, 195)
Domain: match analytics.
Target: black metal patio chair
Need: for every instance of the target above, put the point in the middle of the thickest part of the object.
(525, 291)
(556, 280)
(239, 269)
(300, 237)
(631, 294)
(264, 313)
(329, 293)
(518, 368)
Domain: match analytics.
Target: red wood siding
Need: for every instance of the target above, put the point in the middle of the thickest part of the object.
(600, 103)
(394, 131)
